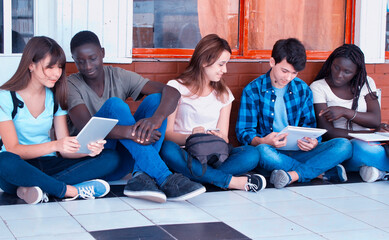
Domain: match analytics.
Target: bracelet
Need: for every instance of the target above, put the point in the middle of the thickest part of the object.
(355, 114)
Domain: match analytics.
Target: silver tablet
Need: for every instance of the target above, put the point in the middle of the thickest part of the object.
(96, 129)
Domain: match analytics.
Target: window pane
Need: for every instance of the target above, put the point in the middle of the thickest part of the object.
(1, 27)
(22, 24)
(182, 23)
(387, 27)
(319, 24)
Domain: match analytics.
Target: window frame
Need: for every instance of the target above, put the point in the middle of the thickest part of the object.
(243, 52)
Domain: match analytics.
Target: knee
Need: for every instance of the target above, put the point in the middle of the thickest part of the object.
(267, 154)
(6, 160)
(168, 148)
(116, 103)
(343, 147)
(249, 154)
(153, 100)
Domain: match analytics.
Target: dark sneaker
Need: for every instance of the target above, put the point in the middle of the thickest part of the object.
(336, 174)
(280, 178)
(32, 195)
(179, 188)
(255, 183)
(371, 174)
(144, 187)
(91, 189)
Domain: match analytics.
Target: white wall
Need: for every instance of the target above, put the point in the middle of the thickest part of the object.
(111, 20)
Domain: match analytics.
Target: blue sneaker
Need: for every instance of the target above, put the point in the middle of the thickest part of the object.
(91, 189)
(336, 174)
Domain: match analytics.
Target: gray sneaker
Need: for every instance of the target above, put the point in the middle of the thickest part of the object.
(143, 186)
(32, 195)
(179, 188)
(280, 178)
(371, 174)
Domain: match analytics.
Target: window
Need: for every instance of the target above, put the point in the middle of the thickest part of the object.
(13, 40)
(160, 26)
(250, 26)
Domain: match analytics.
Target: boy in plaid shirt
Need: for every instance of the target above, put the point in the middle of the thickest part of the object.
(278, 99)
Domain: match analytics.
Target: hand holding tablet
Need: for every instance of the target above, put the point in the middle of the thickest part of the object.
(96, 129)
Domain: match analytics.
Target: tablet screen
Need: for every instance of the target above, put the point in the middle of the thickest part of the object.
(96, 129)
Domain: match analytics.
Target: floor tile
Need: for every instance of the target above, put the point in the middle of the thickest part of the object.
(25, 211)
(271, 195)
(218, 198)
(4, 231)
(144, 233)
(324, 191)
(383, 198)
(297, 208)
(311, 236)
(44, 226)
(267, 228)
(239, 212)
(95, 206)
(375, 234)
(179, 215)
(144, 204)
(329, 223)
(352, 204)
(113, 220)
(375, 218)
(69, 236)
(203, 231)
(367, 189)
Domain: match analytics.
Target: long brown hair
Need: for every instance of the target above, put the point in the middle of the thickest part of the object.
(36, 50)
(206, 53)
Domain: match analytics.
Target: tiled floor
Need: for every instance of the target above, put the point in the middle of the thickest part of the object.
(315, 211)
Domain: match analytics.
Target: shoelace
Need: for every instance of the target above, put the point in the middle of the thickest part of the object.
(83, 192)
(386, 177)
(45, 198)
(86, 192)
(250, 186)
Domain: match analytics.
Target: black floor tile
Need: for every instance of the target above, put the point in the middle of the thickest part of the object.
(203, 231)
(141, 233)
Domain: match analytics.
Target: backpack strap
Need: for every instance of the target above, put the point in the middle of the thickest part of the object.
(189, 164)
(17, 104)
(55, 108)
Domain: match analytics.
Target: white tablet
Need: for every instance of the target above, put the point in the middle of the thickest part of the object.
(296, 133)
(96, 129)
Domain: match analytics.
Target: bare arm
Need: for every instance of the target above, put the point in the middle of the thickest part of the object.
(65, 144)
(326, 115)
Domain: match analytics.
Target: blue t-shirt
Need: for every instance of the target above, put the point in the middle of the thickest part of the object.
(280, 116)
(29, 130)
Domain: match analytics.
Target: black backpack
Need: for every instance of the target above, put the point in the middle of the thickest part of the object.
(207, 149)
(20, 104)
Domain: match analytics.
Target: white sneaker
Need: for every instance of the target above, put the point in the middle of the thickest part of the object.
(371, 174)
(32, 195)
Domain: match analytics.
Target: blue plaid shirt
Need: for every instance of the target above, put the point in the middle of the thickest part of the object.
(256, 113)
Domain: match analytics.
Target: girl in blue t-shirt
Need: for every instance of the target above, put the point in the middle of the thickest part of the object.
(29, 164)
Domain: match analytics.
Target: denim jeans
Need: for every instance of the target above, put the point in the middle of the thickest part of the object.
(367, 154)
(241, 160)
(308, 165)
(135, 156)
(52, 174)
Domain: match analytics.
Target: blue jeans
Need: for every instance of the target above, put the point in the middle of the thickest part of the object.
(135, 156)
(367, 154)
(241, 160)
(308, 165)
(52, 174)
